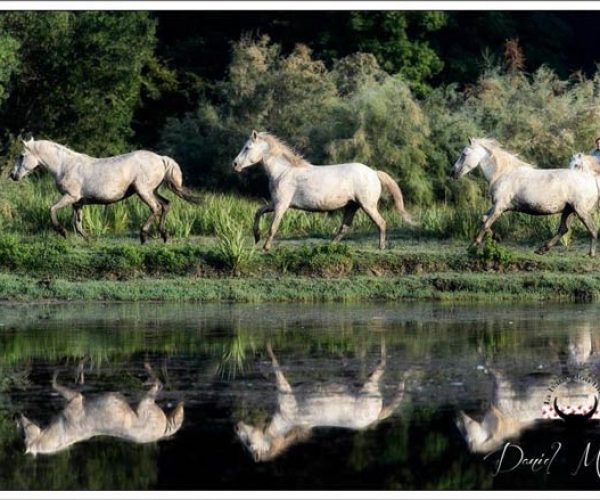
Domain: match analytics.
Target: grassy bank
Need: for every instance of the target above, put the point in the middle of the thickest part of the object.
(230, 268)
(480, 287)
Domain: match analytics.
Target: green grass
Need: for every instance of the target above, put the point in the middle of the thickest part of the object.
(480, 287)
(303, 270)
(24, 210)
(212, 256)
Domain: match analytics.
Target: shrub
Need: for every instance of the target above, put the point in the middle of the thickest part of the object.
(491, 252)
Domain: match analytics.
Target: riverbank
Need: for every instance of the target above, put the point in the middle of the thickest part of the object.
(297, 270)
(471, 287)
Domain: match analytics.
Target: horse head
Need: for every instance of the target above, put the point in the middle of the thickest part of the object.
(26, 162)
(174, 420)
(490, 433)
(251, 153)
(255, 441)
(469, 159)
(31, 433)
(577, 162)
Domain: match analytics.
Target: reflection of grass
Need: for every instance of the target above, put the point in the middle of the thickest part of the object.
(72, 345)
(235, 354)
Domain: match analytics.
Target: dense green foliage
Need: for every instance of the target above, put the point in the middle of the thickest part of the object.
(78, 76)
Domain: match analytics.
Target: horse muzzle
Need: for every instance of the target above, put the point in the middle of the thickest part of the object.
(237, 167)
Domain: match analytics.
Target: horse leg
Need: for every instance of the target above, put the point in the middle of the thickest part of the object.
(492, 215)
(349, 213)
(279, 211)
(485, 217)
(259, 213)
(65, 392)
(282, 384)
(373, 213)
(65, 201)
(590, 225)
(372, 384)
(165, 205)
(78, 220)
(563, 228)
(150, 200)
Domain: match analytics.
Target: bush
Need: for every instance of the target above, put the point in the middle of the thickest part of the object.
(491, 252)
(354, 112)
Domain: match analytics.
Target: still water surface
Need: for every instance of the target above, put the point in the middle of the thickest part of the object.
(409, 396)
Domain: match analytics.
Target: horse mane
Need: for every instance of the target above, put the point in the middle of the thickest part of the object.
(592, 163)
(504, 159)
(64, 150)
(280, 148)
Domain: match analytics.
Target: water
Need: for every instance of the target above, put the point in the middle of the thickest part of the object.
(405, 429)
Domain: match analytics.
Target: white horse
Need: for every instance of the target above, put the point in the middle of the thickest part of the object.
(295, 183)
(103, 415)
(519, 405)
(84, 180)
(319, 405)
(521, 187)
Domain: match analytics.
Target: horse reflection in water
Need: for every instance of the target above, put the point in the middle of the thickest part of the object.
(514, 410)
(322, 405)
(104, 415)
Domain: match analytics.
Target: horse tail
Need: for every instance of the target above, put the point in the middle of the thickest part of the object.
(174, 180)
(392, 186)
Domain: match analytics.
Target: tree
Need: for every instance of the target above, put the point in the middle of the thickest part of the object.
(79, 76)
(399, 41)
(9, 62)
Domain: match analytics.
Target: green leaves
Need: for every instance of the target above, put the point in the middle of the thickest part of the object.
(9, 62)
(76, 76)
(399, 42)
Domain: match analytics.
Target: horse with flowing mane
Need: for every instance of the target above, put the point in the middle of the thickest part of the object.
(295, 183)
(518, 186)
(84, 180)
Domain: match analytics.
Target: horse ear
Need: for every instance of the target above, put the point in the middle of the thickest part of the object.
(254, 135)
(470, 141)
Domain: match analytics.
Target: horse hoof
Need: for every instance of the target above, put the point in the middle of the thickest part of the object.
(541, 251)
(143, 238)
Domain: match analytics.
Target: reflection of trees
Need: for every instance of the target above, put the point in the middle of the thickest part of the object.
(416, 451)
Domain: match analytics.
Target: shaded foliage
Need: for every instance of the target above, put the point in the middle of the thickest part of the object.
(78, 78)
